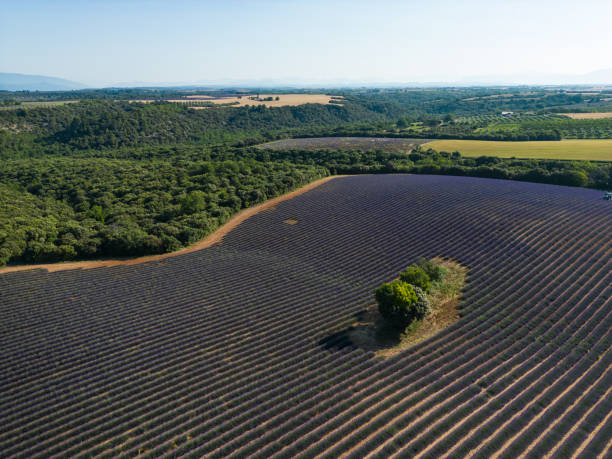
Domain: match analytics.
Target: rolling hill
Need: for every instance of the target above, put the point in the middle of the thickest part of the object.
(21, 82)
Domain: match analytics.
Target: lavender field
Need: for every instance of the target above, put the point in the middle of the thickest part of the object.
(389, 144)
(239, 350)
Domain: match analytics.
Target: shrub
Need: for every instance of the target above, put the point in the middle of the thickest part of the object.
(435, 272)
(422, 308)
(416, 276)
(397, 303)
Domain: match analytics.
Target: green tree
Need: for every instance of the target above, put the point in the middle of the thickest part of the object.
(416, 276)
(402, 123)
(434, 271)
(193, 202)
(422, 307)
(397, 303)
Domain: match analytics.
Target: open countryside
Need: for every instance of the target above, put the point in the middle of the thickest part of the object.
(270, 100)
(571, 149)
(251, 230)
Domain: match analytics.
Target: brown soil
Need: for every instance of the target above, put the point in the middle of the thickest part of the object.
(372, 333)
(209, 240)
(290, 221)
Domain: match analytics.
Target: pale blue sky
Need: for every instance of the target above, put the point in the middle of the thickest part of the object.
(100, 42)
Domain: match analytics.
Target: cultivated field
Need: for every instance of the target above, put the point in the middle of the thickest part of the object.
(346, 143)
(588, 116)
(251, 99)
(588, 149)
(283, 100)
(241, 349)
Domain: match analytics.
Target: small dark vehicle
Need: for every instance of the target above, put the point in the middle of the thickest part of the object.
(608, 196)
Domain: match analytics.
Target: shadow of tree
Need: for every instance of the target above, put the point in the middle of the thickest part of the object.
(370, 332)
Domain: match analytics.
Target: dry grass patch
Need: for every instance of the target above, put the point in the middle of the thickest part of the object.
(572, 149)
(252, 99)
(283, 100)
(588, 116)
(290, 221)
(372, 332)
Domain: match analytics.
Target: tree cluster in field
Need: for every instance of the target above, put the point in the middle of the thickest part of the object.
(404, 300)
(64, 209)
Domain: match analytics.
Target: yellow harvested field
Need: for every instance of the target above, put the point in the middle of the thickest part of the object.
(283, 100)
(588, 116)
(587, 149)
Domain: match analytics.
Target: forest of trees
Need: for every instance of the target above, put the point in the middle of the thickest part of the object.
(62, 209)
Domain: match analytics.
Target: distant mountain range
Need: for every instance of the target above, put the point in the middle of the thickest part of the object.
(21, 82)
(598, 77)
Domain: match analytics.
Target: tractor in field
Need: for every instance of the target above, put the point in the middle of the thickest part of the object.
(608, 196)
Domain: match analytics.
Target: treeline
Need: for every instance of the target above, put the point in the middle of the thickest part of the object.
(444, 131)
(511, 130)
(557, 172)
(65, 209)
(463, 101)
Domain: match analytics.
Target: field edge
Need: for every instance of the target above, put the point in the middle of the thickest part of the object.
(213, 238)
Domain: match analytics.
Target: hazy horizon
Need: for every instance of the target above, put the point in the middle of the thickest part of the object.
(186, 42)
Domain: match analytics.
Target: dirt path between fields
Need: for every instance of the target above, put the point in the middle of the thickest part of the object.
(209, 240)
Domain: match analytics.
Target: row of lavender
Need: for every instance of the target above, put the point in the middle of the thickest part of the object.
(235, 350)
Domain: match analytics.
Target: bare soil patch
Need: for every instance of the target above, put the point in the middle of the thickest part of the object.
(373, 333)
(290, 221)
(209, 240)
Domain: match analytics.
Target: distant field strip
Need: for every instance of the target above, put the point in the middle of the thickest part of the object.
(588, 149)
(395, 145)
(588, 116)
(283, 100)
(251, 99)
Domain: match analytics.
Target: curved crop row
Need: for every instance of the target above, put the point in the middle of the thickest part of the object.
(239, 349)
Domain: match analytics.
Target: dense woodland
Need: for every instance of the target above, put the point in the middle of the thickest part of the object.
(105, 177)
(61, 209)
